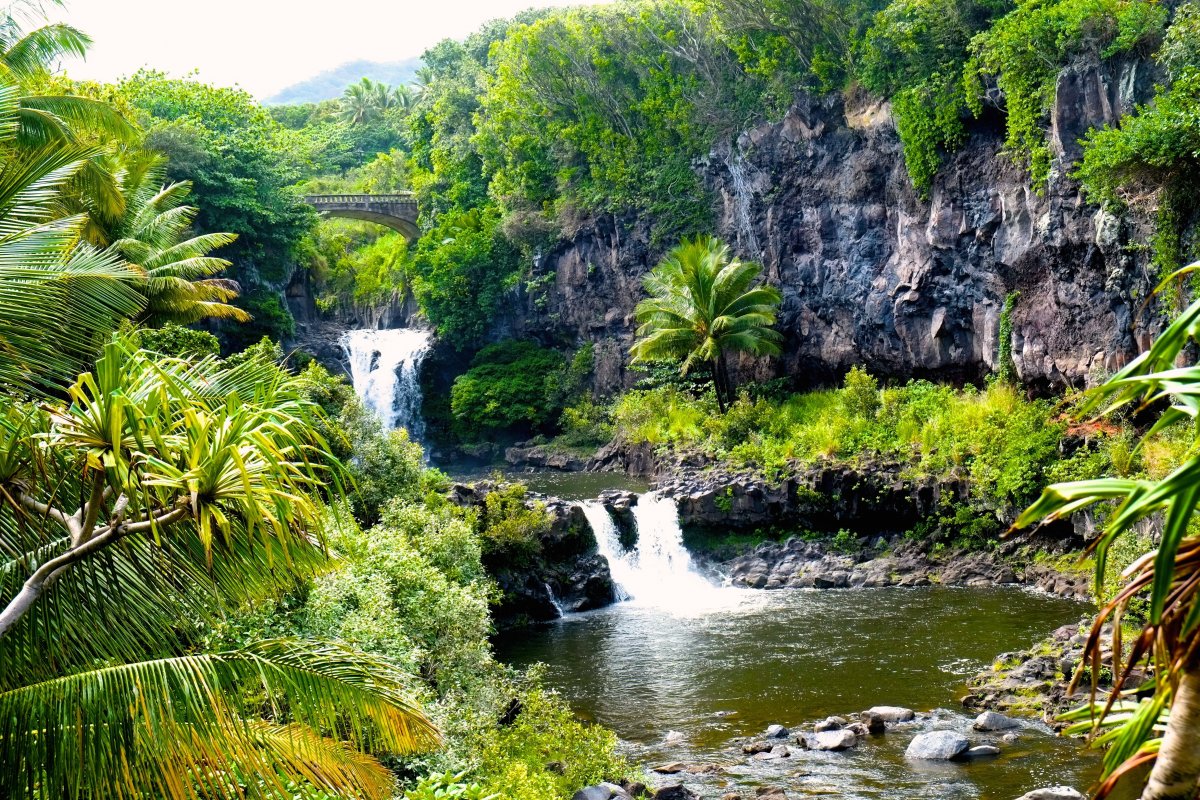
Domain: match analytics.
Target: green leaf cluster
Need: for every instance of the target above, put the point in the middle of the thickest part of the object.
(243, 166)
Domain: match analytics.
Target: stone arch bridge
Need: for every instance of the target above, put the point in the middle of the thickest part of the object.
(396, 211)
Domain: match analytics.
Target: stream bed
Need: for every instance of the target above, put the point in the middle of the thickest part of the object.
(688, 680)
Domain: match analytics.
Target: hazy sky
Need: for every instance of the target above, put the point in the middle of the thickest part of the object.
(265, 45)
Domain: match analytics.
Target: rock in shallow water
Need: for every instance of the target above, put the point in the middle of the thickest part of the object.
(891, 713)
(677, 792)
(1054, 793)
(991, 721)
(983, 751)
(937, 745)
(831, 740)
(777, 732)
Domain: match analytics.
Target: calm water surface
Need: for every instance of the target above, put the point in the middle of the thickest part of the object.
(564, 485)
(701, 675)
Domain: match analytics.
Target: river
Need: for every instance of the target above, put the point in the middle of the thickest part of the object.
(684, 683)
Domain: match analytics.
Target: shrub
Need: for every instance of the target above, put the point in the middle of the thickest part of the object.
(510, 529)
(860, 393)
(515, 758)
(507, 388)
(586, 424)
(178, 341)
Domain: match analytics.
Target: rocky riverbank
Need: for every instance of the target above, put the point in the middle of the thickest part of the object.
(895, 561)
(781, 762)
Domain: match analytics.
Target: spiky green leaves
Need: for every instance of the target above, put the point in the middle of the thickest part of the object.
(1169, 576)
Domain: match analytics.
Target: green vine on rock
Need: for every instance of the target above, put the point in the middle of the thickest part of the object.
(1006, 370)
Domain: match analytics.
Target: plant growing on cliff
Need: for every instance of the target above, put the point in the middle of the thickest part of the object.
(702, 305)
(1005, 368)
(1161, 729)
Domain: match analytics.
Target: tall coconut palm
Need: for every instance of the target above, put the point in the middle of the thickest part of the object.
(702, 305)
(1163, 728)
(164, 490)
(155, 235)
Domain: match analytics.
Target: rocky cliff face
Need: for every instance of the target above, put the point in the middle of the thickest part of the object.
(871, 273)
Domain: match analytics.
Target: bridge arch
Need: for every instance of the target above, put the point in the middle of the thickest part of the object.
(396, 211)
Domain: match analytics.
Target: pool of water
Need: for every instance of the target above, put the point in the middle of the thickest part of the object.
(685, 683)
(565, 485)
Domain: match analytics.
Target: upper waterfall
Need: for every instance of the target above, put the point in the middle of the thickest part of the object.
(385, 369)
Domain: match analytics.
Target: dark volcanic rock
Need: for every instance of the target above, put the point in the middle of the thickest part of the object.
(567, 575)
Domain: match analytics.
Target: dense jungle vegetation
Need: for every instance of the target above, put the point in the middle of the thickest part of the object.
(221, 578)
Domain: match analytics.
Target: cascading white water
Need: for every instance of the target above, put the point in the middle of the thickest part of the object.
(554, 601)
(608, 542)
(741, 201)
(385, 369)
(658, 571)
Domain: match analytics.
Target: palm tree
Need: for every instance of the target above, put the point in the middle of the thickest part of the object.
(164, 490)
(360, 102)
(155, 235)
(1164, 727)
(421, 83)
(28, 57)
(58, 297)
(701, 306)
(403, 98)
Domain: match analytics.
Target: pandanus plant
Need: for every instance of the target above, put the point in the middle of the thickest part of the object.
(1147, 722)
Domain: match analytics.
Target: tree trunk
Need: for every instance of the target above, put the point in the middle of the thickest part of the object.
(1177, 770)
(723, 380)
(715, 369)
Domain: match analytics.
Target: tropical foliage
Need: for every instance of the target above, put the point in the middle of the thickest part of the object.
(155, 236)
(703, 305)
(193, 481)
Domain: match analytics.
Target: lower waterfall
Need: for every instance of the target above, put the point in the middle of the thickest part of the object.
(658, 571)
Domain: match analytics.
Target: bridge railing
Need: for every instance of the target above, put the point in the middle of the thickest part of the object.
(360, 199)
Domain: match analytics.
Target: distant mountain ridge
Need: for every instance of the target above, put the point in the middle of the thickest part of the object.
(332, 82)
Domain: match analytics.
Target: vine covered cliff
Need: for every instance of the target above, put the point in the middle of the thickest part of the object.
(872, 273)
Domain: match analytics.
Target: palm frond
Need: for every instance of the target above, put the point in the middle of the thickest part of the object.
(189, 727)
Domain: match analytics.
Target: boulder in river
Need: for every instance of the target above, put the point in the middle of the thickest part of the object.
(937, 745)
(756, 747)
(830, 724)
(991, 721)
(892, 713)
(840, 739)
(777, 732)
(676, 792)
(602, 791)
(1054, 793)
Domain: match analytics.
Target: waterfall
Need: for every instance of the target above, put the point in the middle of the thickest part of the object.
(385, 369)
(658, 571)
(741, 202)
(554, 601)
